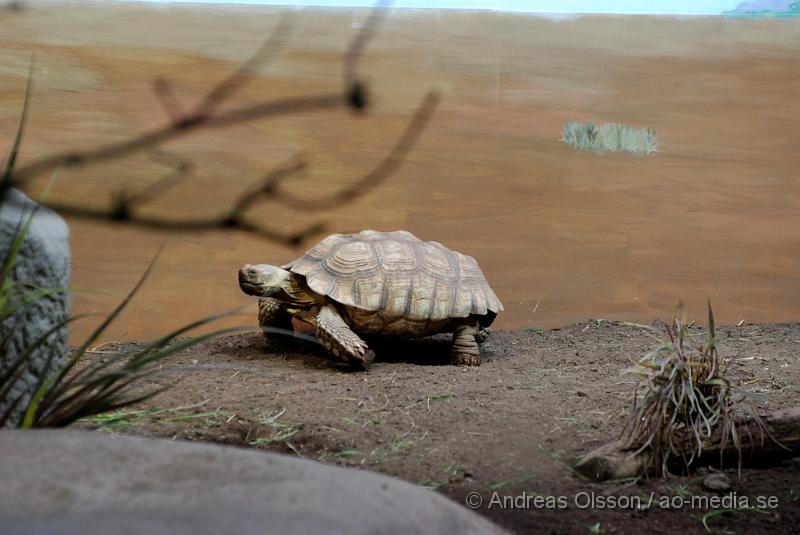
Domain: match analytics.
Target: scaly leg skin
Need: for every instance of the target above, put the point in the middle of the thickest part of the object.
(465, 350)
(482, 335)
(272, 316)
(340, 340)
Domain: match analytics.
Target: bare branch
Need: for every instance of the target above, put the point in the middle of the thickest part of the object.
(379, 174)
(181, 168)
(207, 115)
(11, 7)
(166, 97)
(172, 131)
(268, 185)
(239, 78)
(181, 124)
(355, 89)
(119, 213)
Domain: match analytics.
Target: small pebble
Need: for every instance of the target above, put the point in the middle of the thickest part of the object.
(717, 482)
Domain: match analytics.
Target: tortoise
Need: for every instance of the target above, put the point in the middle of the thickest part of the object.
(376, 283)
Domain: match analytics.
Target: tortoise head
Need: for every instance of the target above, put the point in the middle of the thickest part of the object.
(264, 280)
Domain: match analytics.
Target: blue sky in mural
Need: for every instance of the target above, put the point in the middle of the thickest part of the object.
(688, 7)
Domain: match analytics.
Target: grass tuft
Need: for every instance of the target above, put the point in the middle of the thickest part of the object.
(280, 430)
(684, 401)
(718, 512)
(610, 137)
(124, 419)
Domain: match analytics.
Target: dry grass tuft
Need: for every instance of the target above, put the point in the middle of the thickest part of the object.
(684, 402)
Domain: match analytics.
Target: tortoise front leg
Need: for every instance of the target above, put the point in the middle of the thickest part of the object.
(340, 340)
(482, 335)
(465, 350)
(272, 316)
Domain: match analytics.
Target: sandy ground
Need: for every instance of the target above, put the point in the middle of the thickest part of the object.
(570, 234)
(506, 430)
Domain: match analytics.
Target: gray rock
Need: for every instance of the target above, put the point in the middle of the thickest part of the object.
(42, 262)
(78, 482)
(717, 482)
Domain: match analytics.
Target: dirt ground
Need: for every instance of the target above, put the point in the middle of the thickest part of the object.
(507, 430)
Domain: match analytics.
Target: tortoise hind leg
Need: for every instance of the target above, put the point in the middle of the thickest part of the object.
(465, 350)
(273, 317)
(340, 340)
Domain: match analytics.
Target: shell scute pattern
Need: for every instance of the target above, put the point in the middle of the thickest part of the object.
(437, 263)
(396, 295)
(479, 299)
(442, 298)
(369, 292)
(397, 275)
(396, 256)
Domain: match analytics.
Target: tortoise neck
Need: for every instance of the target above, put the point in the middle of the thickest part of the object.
(297, 291)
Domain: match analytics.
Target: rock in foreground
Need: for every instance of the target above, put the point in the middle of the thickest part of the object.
(75, 482)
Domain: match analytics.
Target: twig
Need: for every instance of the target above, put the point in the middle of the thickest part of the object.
(268, 184)
(181, 167)
(11, 7)
(200, 224)
(379, 174)
(355, 89)
(242, 75)
(162, 88)
(175, 130)
(207, 115)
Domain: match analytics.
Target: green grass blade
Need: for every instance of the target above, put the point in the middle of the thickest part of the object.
(164, 340)
(137, 363)
(712, 331)
(6, 379)
(11, 256)
(47, 393)
(92, 396)
(10, 409)
(98, 407)
(27, 298)
(717, 512)
(106, 322)
(158, 344)
(8, 169)
(44, 387)
(130, 369)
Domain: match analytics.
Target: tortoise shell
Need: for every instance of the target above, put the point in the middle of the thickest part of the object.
(397, 275)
